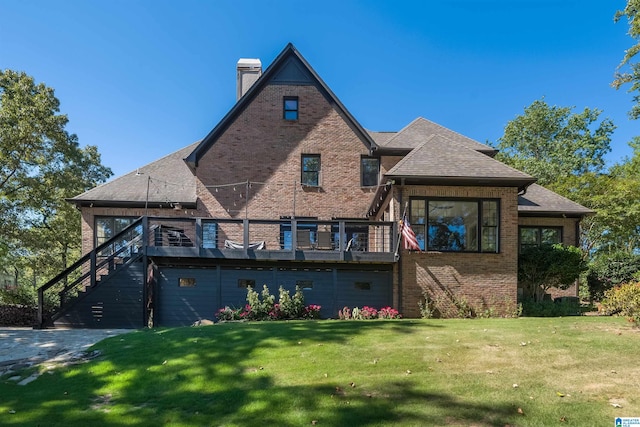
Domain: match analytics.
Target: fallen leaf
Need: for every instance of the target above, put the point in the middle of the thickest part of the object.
(616, 405)
(563, 419)
(520, 411)
(314, 422)
(353, 385)
(408, 372)
(515, 386)
(523, 343)
(559, 394)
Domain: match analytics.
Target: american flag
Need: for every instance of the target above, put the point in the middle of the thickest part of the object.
(410, 241)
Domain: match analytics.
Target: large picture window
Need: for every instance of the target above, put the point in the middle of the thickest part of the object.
(456, 225)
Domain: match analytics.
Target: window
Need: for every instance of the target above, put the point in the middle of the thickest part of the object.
(455, 225)
(363, 286)
(286, 237)
(187, 282)
(209, 235)
(369, 171)
(311, 170)
(290, 108)
(108, 227)
(305, 285)
(536, 236)
(246, 283)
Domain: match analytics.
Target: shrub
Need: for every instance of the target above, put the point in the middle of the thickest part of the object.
(389, 313)
(426, 306)
(312, 311)
(262, 306)
(610, 270)
(548, 308)
(344, 314)
(625, 300)
(368, 313)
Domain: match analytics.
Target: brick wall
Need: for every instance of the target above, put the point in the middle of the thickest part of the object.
(482, 280)
(261, 147)
(568, 238)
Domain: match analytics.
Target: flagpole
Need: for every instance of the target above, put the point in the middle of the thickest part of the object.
(406, 205)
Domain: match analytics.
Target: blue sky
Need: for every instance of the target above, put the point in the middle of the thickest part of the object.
(143, 78)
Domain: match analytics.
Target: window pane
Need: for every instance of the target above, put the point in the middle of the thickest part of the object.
(490, 213)
(209, 234)
(550, 236)
(528, 236)
(291, 115)
(489, 239)
(453, 225)
(370, 168)
(311, 170)
(290, 104)
(417, 221)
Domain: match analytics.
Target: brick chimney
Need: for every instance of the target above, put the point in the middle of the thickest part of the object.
(248, 71)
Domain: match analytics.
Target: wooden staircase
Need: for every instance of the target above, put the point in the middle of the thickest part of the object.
(108, 281)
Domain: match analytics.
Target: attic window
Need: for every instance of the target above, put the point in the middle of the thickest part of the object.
(290, 108)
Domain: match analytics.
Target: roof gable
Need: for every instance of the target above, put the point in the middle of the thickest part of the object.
(289, 67)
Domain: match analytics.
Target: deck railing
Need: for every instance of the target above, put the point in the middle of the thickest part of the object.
(274, 235)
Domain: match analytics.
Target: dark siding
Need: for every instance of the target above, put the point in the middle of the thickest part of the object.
(182, 306)
(114, 303)
(379, 295)
(234, 296)
(218, 287)
(323, 291)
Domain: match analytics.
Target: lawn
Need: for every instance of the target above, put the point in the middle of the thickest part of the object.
(580, 371)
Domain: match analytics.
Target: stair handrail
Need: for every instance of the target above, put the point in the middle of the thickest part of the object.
(90, 256)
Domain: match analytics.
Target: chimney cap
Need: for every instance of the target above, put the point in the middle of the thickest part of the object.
(250, 63)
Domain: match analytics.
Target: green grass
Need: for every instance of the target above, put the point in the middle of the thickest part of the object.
(342, 373)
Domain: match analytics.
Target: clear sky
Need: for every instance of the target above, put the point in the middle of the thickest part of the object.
(143, 78)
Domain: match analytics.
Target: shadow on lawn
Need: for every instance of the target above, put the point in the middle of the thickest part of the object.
(204, 376)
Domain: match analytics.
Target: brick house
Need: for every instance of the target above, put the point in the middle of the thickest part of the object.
(290, 190)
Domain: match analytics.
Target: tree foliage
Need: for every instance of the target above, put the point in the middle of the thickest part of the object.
(552, 143)
(548, 266)
(41, 164)
(609, 270)
(631, 75)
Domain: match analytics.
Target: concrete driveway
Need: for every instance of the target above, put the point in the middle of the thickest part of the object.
(44, 344)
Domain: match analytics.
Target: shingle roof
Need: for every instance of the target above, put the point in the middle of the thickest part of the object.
(170, 181)
(418, 130)
(439, 158)
(540, 201)
(381, 138)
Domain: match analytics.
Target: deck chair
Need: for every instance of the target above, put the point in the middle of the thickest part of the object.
(304, 239)
(324, 240)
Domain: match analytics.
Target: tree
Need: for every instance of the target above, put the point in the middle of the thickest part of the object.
(551, 143)
(548, 266)
(41, 164)
(632, 77)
